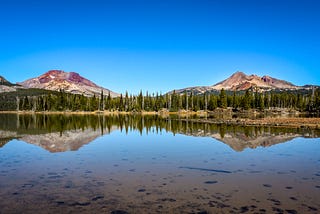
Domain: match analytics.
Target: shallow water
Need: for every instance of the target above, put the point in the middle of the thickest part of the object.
(149, 165)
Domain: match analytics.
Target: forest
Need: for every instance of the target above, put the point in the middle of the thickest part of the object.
(42, 100)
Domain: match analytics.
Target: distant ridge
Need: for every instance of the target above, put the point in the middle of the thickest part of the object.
(3, 81)
(239, 81)
(71, 82)
(6, 86)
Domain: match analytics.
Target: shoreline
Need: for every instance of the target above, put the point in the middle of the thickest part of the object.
(281, 122)
(162, 113)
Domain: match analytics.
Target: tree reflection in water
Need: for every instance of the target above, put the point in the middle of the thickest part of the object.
(22, 126)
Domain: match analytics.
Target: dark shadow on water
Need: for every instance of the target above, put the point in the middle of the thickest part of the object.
(204, 169)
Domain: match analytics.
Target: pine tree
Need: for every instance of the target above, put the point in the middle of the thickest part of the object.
(126, 102)
(260, 102)
(212, 105)
(186, 100)
(61, 102)
(191, 99)
(246, 100)
(108, 102)
(121, 103)
(174, 101)
(205, 101)
(223, 99)
(101, 101)
(317, 99)
(140, 106)
(26, 104)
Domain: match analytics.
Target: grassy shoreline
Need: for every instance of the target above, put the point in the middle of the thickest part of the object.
(106, 113)
(285, 122)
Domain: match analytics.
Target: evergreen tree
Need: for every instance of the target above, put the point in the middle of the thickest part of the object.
(222, 99)
(140, 106)
(174, 102)
(317, 99)
(108, 105)
(213, 104)
(191, 101)
(26, 104)
(246, 100)
(93, 103)
(126, 102)
(186, 102)
(121, 103)
(61, 102)
(260, 102)
(267, 100)
(101, 101)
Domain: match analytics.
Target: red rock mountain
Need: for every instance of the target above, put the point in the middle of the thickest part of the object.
(68, 81)
(240, 81)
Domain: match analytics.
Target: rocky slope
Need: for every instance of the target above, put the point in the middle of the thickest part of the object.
(71, 82)
(240, 81)
(6, 86)
(3, 81)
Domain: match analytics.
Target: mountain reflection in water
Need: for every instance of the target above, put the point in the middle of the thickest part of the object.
(60, 133)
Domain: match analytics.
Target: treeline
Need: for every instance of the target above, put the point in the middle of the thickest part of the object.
(60, 101)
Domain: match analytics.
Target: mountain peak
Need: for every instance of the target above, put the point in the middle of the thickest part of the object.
(71, 82)
(241, 81)
(238, 73)
(53, 72)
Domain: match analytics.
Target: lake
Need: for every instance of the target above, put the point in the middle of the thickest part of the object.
(148, 164)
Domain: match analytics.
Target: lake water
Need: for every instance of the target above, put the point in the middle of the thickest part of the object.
(134, 164)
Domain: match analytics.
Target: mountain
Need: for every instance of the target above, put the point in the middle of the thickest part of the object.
(6, 86)
(71, 82)
(3, 81)
(239, 81)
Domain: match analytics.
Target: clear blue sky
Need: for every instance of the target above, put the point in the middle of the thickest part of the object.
(160, 45)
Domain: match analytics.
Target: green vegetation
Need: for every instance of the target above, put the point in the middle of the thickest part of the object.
(43, 100)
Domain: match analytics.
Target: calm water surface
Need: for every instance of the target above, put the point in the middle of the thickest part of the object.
(95, 164)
